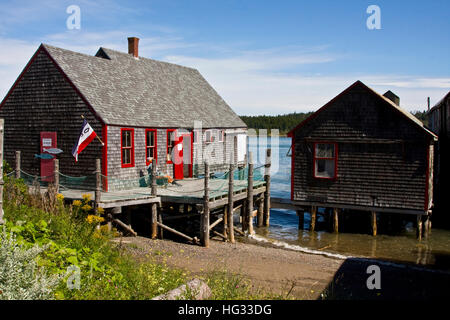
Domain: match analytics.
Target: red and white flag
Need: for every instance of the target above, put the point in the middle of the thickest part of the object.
(87, 134)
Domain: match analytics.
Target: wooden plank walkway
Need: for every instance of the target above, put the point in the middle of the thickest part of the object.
(186, 191)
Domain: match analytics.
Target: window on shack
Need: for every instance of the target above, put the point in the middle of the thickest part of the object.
(325, 160)
(127, 147)
(150, 145)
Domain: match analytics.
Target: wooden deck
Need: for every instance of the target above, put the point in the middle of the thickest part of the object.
(187, 191)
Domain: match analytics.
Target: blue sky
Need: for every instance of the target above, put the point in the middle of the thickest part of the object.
(263, 57)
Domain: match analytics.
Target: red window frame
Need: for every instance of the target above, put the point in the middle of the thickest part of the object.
(167, 143)
(335, 158)
(131, 164)
(155, 147)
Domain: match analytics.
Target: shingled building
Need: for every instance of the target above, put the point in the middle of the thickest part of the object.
(362, 151)
(140, 108)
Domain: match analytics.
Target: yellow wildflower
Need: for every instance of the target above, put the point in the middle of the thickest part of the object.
(93, 219)
(100, 210)
(76, 203)
(60, 197)
(86, 197)
(86, 207)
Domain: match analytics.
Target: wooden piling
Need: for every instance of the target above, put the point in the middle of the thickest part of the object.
(2, 126)
(225, 222)
(419, 227)
(205, 216)
(17, 173)
(56, 174)
(154, 206)
(260, 216)
(374, 223)
(244, 216)
(313, 218)
(98, 183)
(336, 220)
(230, 204)
(301, 219)
(249, 213)
(267, 192)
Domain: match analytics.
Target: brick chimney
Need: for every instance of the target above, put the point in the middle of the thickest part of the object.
(133, 46)
(393, 97)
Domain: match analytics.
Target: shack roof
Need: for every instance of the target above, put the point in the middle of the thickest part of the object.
(440, 103)
(399, 109)
(128, 91)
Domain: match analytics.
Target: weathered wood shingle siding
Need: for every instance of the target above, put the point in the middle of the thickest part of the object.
(122, 178)
(43, 100)
(391, 174)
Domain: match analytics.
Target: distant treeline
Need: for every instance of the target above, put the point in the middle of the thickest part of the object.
(286, 122)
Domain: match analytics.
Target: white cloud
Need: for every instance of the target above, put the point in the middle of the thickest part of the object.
(266, 81)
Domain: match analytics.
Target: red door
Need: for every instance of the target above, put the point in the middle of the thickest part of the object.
(48, 140)
(178, 158)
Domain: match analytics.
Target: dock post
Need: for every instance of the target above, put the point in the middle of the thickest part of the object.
(260, 217)
(225, 222)
(249, 214)
(17, 173)
(267, 192)
(419, 227)
(2, 123)
(301, 219)
(56, 173)
(244, 224)
(313, 218)
(336, 220)
(374, 223)
(205, 216)
(154, 220)
(98, 171)
(231, 204)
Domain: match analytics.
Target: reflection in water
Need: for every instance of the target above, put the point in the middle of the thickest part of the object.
(396, 240)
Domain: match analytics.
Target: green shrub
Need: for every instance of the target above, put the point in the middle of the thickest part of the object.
(20, 277)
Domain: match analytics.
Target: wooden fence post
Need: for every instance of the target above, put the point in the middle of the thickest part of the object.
(205, 216)
(17, 173)
(249, 213)
(231, 204)
(154, 231)
(267, 192)
(2, 123)
(98, 183)
(56, 174)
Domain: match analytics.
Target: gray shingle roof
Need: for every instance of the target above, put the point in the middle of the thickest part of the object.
(127, 91)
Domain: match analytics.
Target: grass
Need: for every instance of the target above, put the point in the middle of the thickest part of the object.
(75, 236)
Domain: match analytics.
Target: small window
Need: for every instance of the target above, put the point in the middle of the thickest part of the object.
(171, 137)
(127, 147)
(325, 160)
(150, 145)
(208, 136)
(221, 134)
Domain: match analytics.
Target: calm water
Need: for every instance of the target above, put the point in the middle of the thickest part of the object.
(400, 245)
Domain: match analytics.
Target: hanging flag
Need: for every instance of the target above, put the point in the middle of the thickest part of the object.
(87, 134)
